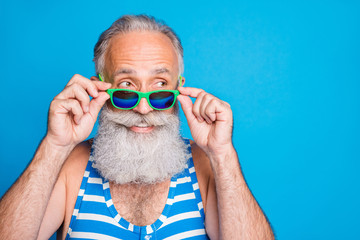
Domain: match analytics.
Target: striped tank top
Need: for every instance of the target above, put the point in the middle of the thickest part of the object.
(95, 216)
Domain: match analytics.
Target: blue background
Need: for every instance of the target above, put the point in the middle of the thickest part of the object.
(289, 70)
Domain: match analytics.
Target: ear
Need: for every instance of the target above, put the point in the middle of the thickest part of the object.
(181, 81)
(94, 78)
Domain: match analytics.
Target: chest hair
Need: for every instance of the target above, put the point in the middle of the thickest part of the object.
(140, 204)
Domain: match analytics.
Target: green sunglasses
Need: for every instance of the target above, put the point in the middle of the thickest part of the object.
(127, 99)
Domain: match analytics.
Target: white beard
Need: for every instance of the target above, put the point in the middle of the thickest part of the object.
(124, 156)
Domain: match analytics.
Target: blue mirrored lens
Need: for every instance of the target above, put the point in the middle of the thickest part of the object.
(162, 100)
(125, 99)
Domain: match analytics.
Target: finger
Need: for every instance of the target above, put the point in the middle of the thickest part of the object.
(85, 83)
(77, 78)
(189, 91)
(210, 109)
(102, 85)
(97, 103)
(206, 100)
(71, 106)
(187, 106)
(197, 104)
(92, 87)
(77, 92)
(218, 110)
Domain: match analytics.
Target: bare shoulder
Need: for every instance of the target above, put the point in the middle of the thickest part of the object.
(72, 173)
(63, 197)
(73, 170)
(203, 170)
(76, 163)
(206, 180)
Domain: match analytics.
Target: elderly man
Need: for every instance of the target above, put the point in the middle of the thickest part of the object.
(138, 178)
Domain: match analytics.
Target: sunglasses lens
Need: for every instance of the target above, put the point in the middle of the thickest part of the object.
(162, 100)
(125, 99)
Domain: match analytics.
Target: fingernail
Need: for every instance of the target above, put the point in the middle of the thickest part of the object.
(87, 109)
(200, 119)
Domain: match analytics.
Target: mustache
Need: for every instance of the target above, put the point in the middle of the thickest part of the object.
(131, 118)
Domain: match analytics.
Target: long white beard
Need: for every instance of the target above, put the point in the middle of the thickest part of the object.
(123, 156)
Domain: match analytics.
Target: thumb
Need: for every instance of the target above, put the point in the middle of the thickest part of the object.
(97, 103)
(187, 106)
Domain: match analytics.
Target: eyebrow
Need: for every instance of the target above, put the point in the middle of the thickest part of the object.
(160, 71)
(124, 71)
(131, 71)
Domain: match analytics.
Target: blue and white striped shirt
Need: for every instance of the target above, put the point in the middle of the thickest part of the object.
(95, 216)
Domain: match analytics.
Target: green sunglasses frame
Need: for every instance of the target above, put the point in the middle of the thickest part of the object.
(141, 95)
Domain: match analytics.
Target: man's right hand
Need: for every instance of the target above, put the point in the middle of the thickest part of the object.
(72, 115)
(71, 118)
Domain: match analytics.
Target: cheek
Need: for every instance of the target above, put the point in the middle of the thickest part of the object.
(169, 111)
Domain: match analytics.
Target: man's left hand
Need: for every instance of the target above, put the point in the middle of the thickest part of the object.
(209, 118)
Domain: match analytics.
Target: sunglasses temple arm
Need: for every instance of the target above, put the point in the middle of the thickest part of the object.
(100, 78)
(180, 80)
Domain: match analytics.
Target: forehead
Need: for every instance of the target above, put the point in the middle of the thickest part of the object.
(141, 51)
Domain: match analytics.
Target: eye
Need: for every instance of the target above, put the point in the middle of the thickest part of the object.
(125, 84)
(161, 84)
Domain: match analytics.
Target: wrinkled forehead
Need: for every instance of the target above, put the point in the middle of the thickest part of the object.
(142, 53)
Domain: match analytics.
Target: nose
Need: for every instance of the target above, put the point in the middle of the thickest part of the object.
(143, 107)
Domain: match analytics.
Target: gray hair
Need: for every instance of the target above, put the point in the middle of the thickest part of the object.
(129, 23)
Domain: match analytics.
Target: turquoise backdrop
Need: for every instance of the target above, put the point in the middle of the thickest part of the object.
(289, 69)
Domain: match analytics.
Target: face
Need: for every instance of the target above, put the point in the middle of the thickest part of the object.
(141, 145)
(142, 61)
